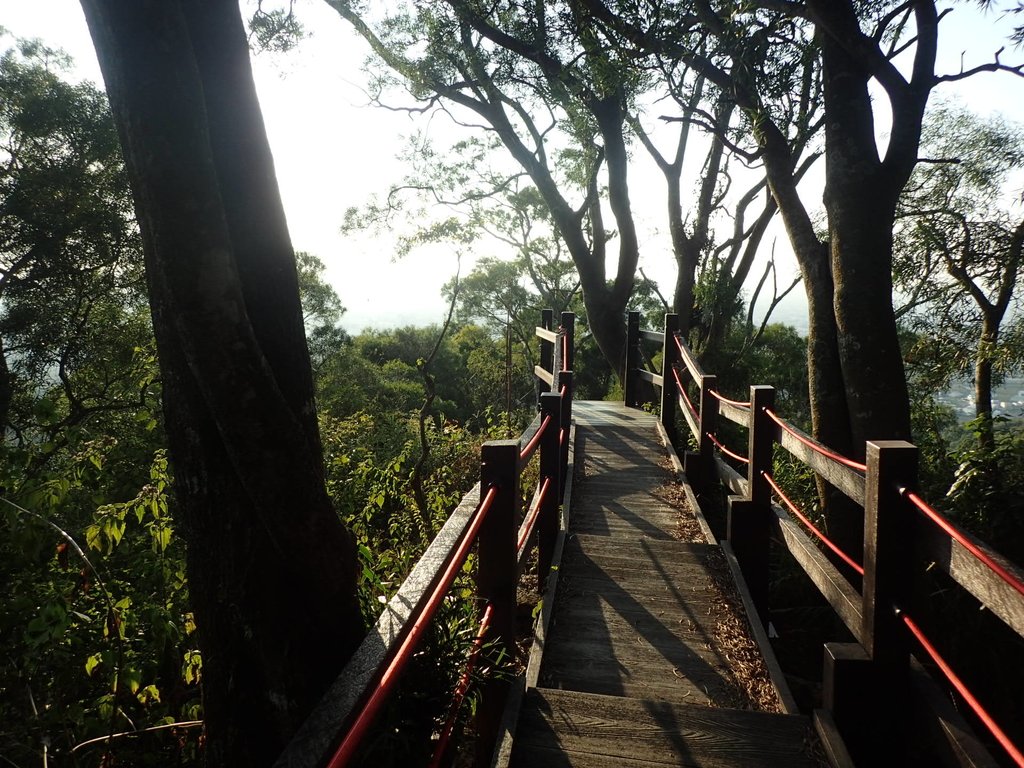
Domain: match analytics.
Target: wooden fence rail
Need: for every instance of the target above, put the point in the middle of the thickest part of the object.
(866, 684)
(490, 517)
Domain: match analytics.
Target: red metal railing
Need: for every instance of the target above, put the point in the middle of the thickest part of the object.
(811, 526)
(814, 445)
(731, 454)
(461, 689)
(369, 683)
(998, 733)
(682, 393)
(368, 714)
(531, 447)
(722, 398)
(534, 513)
(954, 533)
(768, 429)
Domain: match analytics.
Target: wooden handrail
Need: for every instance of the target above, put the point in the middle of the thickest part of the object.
(319, 733)
(878, 486)
(346, 711)
(546, 334)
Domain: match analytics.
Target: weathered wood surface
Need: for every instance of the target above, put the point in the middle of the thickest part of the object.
(846, 479)
(734, 413)
(976, 577)
(631, 661)
(566, 728)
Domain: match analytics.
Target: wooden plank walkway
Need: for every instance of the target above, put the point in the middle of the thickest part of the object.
(634, 672)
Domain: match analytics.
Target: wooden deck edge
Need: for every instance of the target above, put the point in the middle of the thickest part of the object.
(831, 740)
(510, 716)
(548, 598)
(782, 692)
(691, 498)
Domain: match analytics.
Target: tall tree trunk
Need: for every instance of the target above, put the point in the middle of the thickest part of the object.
(271, 569)
(606, 319)
(830, 417)
(983, 379)
(611, 307)
(860, 198)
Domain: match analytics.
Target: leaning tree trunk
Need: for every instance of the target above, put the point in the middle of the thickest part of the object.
(605, 315)
(869, 348)
(826, 386)
(860, 200)
(271, 569)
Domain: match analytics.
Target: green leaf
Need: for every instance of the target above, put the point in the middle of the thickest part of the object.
(192, 670)
(92, 662)
(148, 695)
(161, 537)
(93, 538)
(131, 678)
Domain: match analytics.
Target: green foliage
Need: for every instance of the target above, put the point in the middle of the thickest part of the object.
(94, 622)
(275, 31)
(985, 496)
(321, 310)
(369, 460)
(776, 357)
(72, 310)
(96, 626)
(960, 253)
(935, 429)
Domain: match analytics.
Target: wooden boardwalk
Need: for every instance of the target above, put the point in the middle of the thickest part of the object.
(634, 671)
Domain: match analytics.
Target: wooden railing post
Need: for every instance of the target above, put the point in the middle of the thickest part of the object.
(547, 352)
(760, 444)
(708, 423)
(631, 383)
(669, 358)
(848, 693)
(892, 464)
(565, 423)
(749, 519)
(866, 686)
(550, 469)
(556, 361)
(496, 577)
(569, 326)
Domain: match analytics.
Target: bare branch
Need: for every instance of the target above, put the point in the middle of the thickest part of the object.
(993, 66)
(654, 287)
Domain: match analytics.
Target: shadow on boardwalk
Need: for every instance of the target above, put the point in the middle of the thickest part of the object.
(634, 672)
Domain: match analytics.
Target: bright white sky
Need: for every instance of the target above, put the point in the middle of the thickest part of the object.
(332, 151)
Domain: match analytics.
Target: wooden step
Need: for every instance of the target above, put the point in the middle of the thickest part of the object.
(566, 729)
